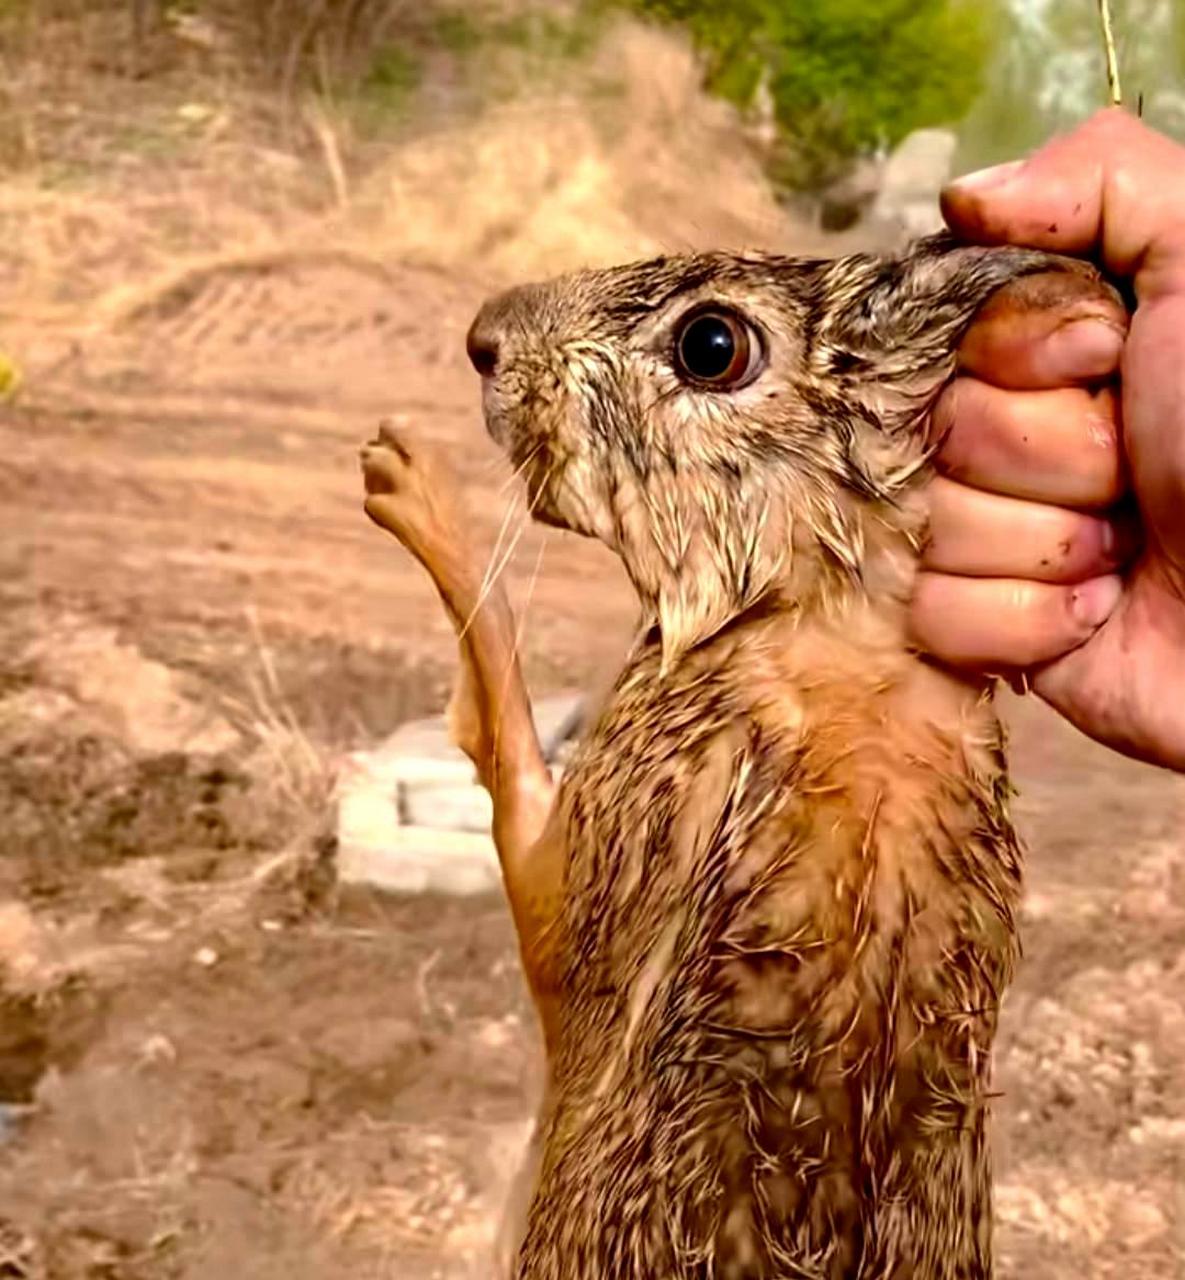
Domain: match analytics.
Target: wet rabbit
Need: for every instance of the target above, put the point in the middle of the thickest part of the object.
(769, 914)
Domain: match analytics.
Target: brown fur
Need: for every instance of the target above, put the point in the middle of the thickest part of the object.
(773, 904)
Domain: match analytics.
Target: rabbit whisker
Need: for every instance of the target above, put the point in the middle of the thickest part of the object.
(520, 630)
(517, 473)
(500, 557)
(497, 549)
(510, 509)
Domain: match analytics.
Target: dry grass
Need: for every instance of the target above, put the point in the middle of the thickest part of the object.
(129, 178)
(629, 159)
(292, 1086)
(331, 42)
(1114, 87)
(293, 777)
(142, 176)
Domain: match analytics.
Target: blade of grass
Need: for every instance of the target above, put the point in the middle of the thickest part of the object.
(1114, 88)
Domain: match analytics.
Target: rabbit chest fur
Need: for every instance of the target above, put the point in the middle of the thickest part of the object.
(790, 918)
(790, 874)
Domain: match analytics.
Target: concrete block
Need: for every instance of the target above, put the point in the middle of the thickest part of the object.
(412, 816)
(420, 860)
(420, 751)
(446, 808)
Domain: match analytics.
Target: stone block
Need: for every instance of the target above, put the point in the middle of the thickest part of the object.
(422, 860)
(412, 816)
(445, 807)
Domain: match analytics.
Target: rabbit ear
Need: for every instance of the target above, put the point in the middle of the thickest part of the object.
(898, 322)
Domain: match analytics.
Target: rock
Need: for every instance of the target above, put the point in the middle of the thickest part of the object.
(448, 808)
(420, 860)
(846, 201)
(1155, 1130)
(417, 753)
(412, 816)
(911, 179)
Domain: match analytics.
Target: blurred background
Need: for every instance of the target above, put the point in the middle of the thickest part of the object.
(496, 130)
(233, 234)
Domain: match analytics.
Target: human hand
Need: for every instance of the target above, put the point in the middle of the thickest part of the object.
(1029, 568)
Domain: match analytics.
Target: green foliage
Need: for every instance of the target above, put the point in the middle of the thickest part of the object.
(563, 39)
(491, 51)
(844, 76)
(457, 31)
(538, 33)
(393, 76)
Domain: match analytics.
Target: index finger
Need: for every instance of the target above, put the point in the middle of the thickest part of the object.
(1113, 189)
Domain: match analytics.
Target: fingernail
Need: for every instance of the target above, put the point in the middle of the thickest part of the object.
(1083, 349)
(988, 179)
(1093, 602)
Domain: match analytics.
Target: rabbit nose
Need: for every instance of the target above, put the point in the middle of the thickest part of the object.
(515, 313)
(481, 342)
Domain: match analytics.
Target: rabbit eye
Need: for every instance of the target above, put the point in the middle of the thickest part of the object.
(717, 349)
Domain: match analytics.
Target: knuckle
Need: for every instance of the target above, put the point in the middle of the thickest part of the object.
(959, 420)
(1038, 623)
(1025, 600)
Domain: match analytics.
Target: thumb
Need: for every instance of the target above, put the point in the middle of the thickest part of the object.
(1113, 188)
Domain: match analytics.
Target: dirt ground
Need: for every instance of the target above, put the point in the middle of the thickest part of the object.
(213, 1060)
(219, 1061)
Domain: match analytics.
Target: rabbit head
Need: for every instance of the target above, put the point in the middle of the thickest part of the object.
(734, 425)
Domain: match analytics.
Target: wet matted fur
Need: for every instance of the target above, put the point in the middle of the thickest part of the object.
(785, 875)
